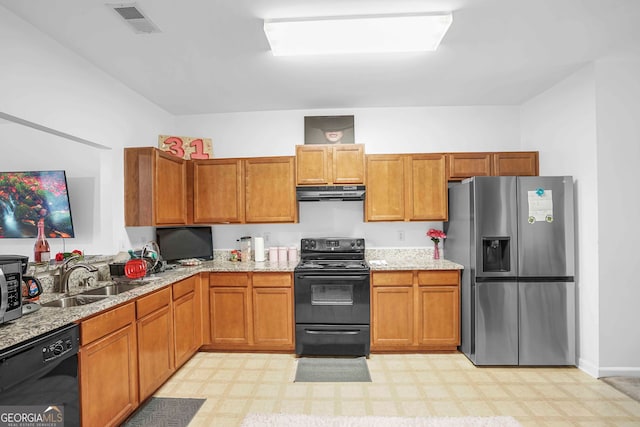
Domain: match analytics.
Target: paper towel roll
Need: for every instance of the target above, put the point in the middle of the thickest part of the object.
(258, 244)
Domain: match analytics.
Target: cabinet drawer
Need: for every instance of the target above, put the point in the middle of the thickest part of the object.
(105, 323)
(437, 277)
(153, 302)
(229, 279)
(184, 287)
(392, 278)
(279, 280)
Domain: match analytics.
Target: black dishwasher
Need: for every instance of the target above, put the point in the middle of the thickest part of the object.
(39, 380)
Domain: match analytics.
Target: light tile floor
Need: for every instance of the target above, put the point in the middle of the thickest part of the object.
(413, 385)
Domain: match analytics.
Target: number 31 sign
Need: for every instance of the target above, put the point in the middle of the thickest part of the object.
(186, 147)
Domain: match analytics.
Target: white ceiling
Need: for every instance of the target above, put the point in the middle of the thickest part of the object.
(212, 55)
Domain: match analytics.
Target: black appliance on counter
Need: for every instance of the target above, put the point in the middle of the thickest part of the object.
(12, 267)
(40, 376)
(332, 298)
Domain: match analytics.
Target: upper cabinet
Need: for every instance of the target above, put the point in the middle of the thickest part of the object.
(252, 190)
(155, 188)
(330, 164)
(270, 193)
(406, 187)
(522, 163)
(218, 191)
(466, 165)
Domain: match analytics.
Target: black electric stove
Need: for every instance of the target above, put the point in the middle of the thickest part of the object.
(332, 298)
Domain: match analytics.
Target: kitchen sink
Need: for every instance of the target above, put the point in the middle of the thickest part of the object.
(74, 301)
(113, 289)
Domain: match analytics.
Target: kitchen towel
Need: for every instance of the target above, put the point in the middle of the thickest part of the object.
(258, 244)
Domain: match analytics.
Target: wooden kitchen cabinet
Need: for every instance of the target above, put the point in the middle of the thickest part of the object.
(187, 321)
(406, 187)
(218, 191)
(392, 310)
(523, 163)
(273, 320)
(229, 305)
(439, 308)
(156, 361)
(466, 165)
(155, 188)
(270, 194)
(426, 187)
(251, 311)
(108, 367)
(330, 164)
(415, 310)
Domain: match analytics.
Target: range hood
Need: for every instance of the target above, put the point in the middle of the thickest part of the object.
(330, 193)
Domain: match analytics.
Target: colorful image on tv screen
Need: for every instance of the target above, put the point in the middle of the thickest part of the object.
(25, 197)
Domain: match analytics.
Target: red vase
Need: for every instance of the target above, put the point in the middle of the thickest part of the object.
(436, 251)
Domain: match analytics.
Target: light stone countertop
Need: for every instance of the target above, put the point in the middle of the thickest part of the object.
(407, 259)
(47, 319)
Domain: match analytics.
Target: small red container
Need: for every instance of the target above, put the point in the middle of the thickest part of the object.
(135, 268)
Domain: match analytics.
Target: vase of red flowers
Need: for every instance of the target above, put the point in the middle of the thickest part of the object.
(435, 236)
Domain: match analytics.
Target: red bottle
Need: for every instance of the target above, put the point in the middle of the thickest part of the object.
(41, 251)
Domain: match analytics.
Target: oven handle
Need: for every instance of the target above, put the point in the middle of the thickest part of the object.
(334, 277)
(330, 332)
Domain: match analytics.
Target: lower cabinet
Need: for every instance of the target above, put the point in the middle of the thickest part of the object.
(154, 323)
(108, 366)
(251, 311)
(415, 310)
(129, 351)
(187, 322)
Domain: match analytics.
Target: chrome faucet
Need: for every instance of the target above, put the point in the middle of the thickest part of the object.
(61, 277)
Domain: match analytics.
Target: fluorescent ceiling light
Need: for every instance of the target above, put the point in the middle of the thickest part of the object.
(357, 34)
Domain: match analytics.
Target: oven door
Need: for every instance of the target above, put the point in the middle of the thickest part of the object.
(332, 298)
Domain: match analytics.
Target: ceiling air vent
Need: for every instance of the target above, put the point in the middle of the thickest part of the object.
(135, 18)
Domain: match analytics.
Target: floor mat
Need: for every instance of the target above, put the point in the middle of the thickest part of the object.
(164, 411)
(327, 369)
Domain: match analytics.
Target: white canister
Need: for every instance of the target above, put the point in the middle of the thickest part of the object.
(293, 254)
(273, 254)
(258, 245)
(282, 254)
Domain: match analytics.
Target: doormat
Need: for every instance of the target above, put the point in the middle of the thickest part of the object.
(627, 385)
(165, 412)
(328, 369)
(291, 420)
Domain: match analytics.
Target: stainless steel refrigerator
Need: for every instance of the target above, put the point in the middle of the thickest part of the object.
(515, 238)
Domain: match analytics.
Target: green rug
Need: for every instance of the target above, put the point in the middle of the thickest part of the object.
(326, 369)
(165, 412)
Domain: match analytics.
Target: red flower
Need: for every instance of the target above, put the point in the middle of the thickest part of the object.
(59, 256)
(436, 235)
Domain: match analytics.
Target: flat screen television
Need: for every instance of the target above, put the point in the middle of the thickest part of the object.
(176, 243)
(25, 197)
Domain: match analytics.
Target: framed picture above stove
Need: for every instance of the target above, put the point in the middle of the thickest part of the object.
(329, 130)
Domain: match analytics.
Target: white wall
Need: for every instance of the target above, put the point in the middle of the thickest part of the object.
(46, 84)
(587, 126)
(561, 124)
(618, 113)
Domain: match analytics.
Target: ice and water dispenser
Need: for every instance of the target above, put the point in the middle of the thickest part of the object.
(495, 254)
